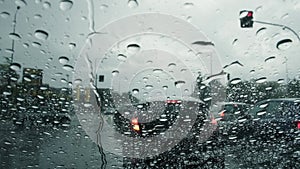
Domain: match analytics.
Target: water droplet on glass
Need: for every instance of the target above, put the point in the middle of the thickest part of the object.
(72, 45)
(135, 91)
(15, 66)
(41, 34)
(36, 44)
(122, 57)
(171, 65)
(103, 6)
(37, 16)
(261, 80)
(188, 5)
(46, 5)
(133, 48)
(65, 5)
(149, 87)
(234, 42)
(14, 36)
(77, 81)
(4, 15)
(157, 71)
(179, 83)
(63, 60)
(20, 3)
(115, 72)
(269, 58)
(133, 4)
(203, 43)
(284, 44)
(280, 81)
(261, 31)
(235, 81)
(284, 16)
(68, 67)
(165, 87)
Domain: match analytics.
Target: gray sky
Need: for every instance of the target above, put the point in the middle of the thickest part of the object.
(218, 20)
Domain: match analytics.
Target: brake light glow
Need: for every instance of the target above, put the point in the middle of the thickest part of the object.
(222, 114)
(173, 101)
(298, 125)
(135, 124)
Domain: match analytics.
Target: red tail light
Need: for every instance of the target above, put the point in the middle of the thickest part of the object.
(298, 125)
(135, 124)
(222, 114)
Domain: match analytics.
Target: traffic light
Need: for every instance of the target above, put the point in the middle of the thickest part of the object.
(246, 19)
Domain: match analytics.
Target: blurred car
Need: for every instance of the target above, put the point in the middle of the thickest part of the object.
(231, 120)
(190, 152)
(275, 120)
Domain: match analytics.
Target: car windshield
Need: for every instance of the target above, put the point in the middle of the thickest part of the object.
(149, 84)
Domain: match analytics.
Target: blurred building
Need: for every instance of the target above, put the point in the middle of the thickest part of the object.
(32, 77)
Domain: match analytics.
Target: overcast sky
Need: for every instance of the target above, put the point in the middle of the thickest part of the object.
(68, 26)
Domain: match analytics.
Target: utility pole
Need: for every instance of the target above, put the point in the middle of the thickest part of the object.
(14, 31)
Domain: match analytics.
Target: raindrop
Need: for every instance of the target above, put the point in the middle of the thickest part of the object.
(15, 66)
(4, 15)
(285, 16)
(165, 87)
(188, 5)
(41, 34)
(9, 51)
(235, 81)
(179, 83)
(36, 44)
(157, 71)
(14, 36)
(103, 6)
(63, 60)
(133, 4)
(20, 3)
(65, 5)
(149, 87)
(203, 43)
(284, 44)
(122, 57)
(261, 31)
(135, 91)
(261, 113)
(37, 16)
(234, 42)
(133, 48)
(171, 65)
(115, 72)
(72, 45)
(77, 81)
(280, 81)
(269, 59)
(68, 67)
(261, 80)
(46, 5)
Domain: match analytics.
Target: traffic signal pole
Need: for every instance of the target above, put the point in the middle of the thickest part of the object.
(279, 25)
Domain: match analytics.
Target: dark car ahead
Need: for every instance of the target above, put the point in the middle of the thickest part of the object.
(271, 136)
(276, 119)
(231, 119)
(192, 151)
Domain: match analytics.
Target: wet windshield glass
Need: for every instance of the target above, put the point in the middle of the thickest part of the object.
(144, 84)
